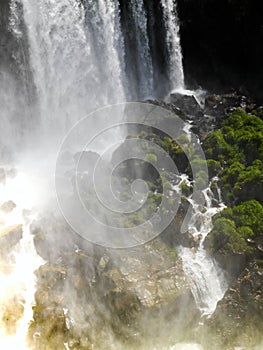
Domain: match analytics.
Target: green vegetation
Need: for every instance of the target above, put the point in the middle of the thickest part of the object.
(235, 153)
(235, 228)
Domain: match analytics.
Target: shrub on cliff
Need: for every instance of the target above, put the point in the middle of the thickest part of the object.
(237, 149)
(235, 228)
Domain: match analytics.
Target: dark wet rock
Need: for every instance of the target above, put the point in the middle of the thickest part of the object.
(176, 233)
(9, 237)
(233, 264)
(220, 105)
(186, 103)
(205, 119)
(238, 319)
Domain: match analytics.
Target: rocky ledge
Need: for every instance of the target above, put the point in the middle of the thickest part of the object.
(86, 296)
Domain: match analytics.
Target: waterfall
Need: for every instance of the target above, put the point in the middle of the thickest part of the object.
(143, 51)
(173, 45)
(70, 77)
(208, 282)
(79, 59)
(103, 26)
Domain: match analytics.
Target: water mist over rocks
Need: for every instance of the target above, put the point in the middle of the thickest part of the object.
(132, 175)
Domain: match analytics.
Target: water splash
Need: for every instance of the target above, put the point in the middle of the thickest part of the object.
(207, 278)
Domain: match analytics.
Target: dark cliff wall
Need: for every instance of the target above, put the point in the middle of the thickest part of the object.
(222, 42)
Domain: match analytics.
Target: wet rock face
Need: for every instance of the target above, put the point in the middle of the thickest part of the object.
(233, 264)
(187, 103)
(238, 319)
(90, 297)
(9, 237)
(207, 112)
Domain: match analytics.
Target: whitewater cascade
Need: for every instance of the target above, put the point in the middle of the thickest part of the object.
(67, 70)
(143, 57)
(208, 282)
(77, 55)
(173, 45)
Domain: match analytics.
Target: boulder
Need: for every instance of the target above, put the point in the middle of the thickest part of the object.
(187, 103)
(150, 276)
(9, 237)
(8, 206)
(117, 289)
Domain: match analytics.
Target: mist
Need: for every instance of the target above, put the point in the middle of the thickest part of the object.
(105, 195)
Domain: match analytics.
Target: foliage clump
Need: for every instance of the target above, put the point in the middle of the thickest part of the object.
(235, 153)
(235, 229)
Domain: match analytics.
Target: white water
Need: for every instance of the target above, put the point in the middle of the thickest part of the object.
(17, 279)
(208, 282)
(107, 45)
(173, 44)
(144, 58)
(78, 56)
(68, 79)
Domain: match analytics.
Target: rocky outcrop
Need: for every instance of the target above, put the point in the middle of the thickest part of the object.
(208, 111)
(8, 206)
(186, 103)
(238, 319)
(90, 296)
(9, 237)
